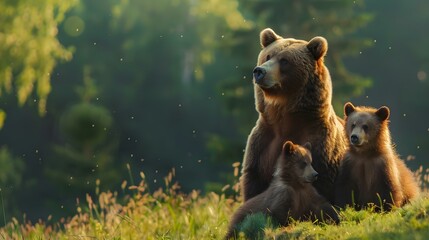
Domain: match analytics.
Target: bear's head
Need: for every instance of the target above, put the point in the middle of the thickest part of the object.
(294, 165)
(292, 71)
(366, 127)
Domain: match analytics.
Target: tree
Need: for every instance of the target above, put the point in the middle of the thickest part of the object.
(29, 48)
(11, 178)
(154, 77)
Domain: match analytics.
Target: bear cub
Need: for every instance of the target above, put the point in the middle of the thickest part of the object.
(290, 194)
(371, 172)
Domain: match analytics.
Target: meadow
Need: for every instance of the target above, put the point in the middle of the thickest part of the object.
(169, 214)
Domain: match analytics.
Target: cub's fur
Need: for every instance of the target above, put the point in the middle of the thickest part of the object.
(372, 172)
(290, 194)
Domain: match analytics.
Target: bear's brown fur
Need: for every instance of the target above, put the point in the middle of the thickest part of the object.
(293, 92)
(290, 194)
(372, 173)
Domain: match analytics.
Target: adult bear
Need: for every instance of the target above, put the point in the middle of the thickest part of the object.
(293, 94)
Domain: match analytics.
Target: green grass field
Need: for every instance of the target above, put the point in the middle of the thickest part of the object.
(167, 214)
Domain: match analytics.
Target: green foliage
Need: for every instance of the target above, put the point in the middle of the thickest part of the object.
(224, 149)
(87, 158)
(11, 178)
(76, 172)
(89, 90)
(191, 32)
(11, 169)
(86, 125)
(29, 47)
(253, 226)
(2, 118)
(154, 76)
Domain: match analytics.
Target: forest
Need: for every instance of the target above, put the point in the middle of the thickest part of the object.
(95, 93)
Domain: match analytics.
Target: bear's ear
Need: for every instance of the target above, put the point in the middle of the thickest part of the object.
(383, 113)
(268, 36)
(318, 47)
(348, 108)
(308, 145)
(288, 148)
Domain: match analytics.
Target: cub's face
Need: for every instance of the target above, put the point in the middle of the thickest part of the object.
(285, 64)
(363, 124)
(297, 163)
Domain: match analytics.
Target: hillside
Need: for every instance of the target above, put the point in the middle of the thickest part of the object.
(168, 214)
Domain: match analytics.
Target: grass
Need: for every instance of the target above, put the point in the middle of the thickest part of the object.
(169, 214)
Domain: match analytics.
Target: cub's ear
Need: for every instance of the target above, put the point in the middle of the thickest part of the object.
(348, 109)
(318, 46)
(288, 148)
(383, 113)
(308, 145)
(268, 36)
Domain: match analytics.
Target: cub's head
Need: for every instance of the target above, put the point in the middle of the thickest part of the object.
(365, 126)
(286, 65)
(294, 165)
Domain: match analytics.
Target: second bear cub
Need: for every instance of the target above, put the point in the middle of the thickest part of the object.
(372, 172)
(290, 194)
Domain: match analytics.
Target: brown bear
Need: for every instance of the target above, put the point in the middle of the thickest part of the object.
(293, 92)
(290, 194)
(371, 172)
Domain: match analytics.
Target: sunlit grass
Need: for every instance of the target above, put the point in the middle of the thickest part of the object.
(169, 214)
(164, 214)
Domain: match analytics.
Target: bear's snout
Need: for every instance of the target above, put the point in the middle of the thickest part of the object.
(354, 139)
(314, 176)
(310, 175)
(259, 74)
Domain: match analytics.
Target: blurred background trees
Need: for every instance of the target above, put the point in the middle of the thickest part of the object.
(30, 48)
(168, 84)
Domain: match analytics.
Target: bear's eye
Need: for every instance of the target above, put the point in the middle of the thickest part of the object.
(283, 62)
(302, 165)
(353, 125)
(268, 58)
(365, 128)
